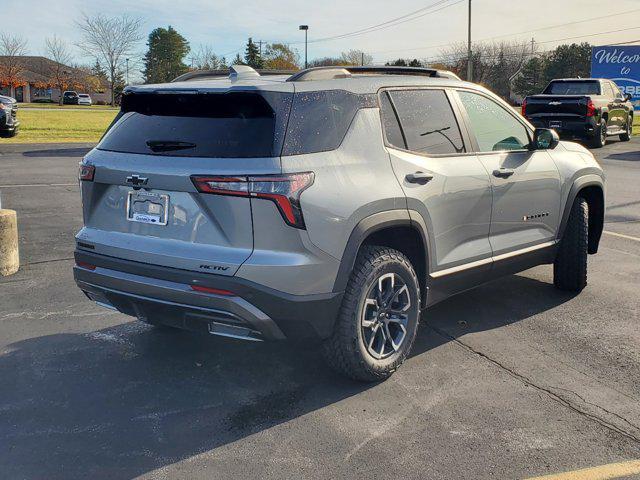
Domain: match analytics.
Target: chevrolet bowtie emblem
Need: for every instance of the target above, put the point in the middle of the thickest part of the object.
(137, 180)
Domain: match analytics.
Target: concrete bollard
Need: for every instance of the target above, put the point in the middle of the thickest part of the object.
(9, 258)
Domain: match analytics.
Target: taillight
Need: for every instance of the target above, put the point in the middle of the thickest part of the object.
(524, 107)
(591, 109)
(86, 172)
(284, 190)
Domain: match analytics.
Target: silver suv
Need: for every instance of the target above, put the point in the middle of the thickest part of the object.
(336, 203)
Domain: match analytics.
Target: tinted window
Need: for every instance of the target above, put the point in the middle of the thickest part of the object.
(579, 87)
(234, 124)
(494, 127)
(427, 121)
(320, 120)
(390, 121)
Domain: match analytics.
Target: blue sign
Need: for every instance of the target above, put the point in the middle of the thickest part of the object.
(622, 65)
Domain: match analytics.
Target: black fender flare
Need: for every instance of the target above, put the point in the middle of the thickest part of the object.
(579, 184)
(366, 227)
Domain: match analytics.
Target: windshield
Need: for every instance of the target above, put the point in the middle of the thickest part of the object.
(573, 88)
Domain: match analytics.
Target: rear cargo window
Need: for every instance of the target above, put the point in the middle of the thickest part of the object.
(228, 125)
(573, 88)
(320, 120)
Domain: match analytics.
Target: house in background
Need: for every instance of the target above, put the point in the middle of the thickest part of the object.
(36, 82)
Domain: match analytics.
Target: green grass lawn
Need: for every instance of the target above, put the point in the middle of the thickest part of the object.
(53, 126)
(55, 105)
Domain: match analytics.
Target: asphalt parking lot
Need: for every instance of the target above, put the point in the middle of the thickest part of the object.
(511, 380)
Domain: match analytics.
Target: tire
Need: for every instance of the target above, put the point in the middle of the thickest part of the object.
(357, 348)
(626, 136)
(600, 138)
(570, 266)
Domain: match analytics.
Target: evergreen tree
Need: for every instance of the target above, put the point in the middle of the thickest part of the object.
(499, 76)
(164, 60)
(237, 60)
(252, 55)
(223, 63)
(532, 78)
(568, 61)
(99, 72)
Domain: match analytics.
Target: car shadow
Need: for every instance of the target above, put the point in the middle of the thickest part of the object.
(123, 401)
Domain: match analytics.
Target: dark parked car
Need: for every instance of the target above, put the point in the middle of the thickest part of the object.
(585, 108)
(70, 98)
(8, 117)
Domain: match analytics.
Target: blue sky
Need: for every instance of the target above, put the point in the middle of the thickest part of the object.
(226, 24)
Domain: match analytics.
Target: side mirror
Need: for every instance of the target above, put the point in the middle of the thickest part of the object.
(627, 97)
(545, 139)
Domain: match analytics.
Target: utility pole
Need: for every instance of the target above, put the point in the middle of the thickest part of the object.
(469, 53)
(127, 62)
(260, 43)
(306, 31)
(533, 46)
(362, 59)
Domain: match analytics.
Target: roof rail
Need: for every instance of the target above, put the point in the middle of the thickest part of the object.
(327, 73)
(224, 73)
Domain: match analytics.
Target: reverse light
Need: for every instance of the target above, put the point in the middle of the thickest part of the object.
(214, 291)
(524, 107)
(86, 172)
(591, 108)
(284, 190)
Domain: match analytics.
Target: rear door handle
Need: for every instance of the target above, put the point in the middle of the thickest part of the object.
(420, 178)
(504, 172)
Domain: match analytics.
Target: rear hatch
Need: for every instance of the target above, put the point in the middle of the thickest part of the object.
(142, 204)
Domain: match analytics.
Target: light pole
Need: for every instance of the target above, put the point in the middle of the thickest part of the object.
(306, 30)
(127, 62)
(469, 54)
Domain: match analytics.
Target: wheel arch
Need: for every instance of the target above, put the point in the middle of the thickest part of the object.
(394, 229)
(591, 188)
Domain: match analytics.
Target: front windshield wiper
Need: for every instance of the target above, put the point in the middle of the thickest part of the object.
(169, 145)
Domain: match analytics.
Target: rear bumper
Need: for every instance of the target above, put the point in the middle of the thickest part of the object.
(163, 295)
(584, 127)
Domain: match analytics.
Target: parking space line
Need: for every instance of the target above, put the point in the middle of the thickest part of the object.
(628, 237)
(603, 472)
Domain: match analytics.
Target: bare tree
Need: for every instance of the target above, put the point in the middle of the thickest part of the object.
(12, 49)
(112, 40)
(356, 57)
(494, 64)
(60, 73)
(205, 59)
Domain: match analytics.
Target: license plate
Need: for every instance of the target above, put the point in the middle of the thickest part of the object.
(555, 124)
(146, 207)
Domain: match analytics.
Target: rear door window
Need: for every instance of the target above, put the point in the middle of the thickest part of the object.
(495, 128)
(236, 124)
(427, 120)
(392, 130)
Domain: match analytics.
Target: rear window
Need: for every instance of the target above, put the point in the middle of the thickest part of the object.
(234, 124)
(573, 88)
(223, 125)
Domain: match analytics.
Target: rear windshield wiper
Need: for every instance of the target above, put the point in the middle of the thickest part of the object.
(169, 145)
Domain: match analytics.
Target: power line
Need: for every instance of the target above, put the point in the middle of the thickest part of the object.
(409, 17)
